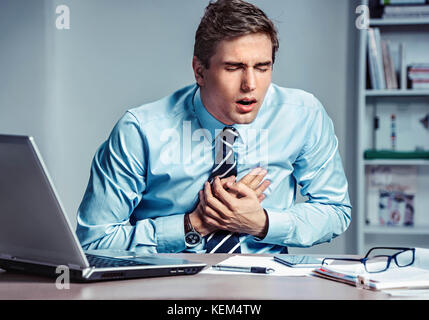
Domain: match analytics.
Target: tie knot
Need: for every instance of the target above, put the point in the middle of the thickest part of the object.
(229, 134)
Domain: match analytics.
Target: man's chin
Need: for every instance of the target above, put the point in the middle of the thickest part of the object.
(245, 118)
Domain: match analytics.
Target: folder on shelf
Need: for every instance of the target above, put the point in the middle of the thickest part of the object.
(402, 66)
(375, 59)
(388, 154)
(389, 68)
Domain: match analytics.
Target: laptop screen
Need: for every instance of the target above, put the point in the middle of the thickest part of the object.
(33, 225)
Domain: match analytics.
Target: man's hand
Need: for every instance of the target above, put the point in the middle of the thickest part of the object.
(253, 181)
(233, 206)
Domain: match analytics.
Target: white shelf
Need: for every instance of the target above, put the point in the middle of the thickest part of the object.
(399, 162)
(397, 93)
(399, 21)
(396, 230)
(413, 33)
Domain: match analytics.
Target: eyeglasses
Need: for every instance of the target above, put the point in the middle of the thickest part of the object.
(377, 261)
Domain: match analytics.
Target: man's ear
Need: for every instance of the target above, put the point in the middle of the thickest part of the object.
(198, 71)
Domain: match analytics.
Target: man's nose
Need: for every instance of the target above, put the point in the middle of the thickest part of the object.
(248, 83)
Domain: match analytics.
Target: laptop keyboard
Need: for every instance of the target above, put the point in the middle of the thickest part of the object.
(107, 262)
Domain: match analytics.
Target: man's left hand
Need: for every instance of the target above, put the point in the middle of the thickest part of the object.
(223, 210)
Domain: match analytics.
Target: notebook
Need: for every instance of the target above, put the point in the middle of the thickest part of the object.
(411, 277)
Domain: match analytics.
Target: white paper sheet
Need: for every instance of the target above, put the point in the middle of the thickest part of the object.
(410, 293)
(247, 261)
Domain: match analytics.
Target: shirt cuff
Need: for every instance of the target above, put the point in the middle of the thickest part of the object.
(170, 232)
(163, 234)
(280, 225)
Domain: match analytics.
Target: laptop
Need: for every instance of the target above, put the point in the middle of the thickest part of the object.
(36, 235)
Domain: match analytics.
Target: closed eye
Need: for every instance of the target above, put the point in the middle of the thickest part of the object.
(238, 68)
(263, 69)
(232, 68)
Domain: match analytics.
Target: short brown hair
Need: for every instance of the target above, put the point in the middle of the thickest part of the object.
(227, 19)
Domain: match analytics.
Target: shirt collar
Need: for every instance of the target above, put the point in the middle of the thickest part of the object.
(207, 121)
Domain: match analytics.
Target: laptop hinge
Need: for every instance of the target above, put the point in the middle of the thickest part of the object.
(6, 256)
(86, 273)
(74, 266)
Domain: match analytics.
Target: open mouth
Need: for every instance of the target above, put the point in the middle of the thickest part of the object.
(246, 102)
(246, 105)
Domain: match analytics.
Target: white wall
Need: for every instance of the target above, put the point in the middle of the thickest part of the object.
(23, 74)
(68, 87)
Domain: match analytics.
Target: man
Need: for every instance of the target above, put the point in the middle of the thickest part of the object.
(186, 173)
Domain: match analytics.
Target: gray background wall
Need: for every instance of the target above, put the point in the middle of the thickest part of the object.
(67, 88)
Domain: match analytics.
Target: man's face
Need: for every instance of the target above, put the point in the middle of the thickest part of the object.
(234, 86)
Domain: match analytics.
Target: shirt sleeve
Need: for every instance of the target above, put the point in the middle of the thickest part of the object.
(319, 171)
(116, 185)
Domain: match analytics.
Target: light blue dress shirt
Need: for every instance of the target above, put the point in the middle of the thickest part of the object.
(148, 173)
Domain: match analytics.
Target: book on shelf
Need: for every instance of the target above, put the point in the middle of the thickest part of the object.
(375, 59)
(391, 193)
(417, 11)
(402, 66)
(420, 84)
(382, 72)
(372, 59)
(418, 75)
(401, 2)
(389, 68)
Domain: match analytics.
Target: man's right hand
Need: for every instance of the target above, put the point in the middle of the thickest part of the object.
(252, 180)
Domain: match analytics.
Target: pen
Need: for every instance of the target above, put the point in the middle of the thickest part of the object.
(243, 269)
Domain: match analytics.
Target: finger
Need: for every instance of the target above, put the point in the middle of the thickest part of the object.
(230, 178)
(212, 218)
(248, 178)
(226, 180)
(206, 192)
(209, 215)
(213, 200)
(242, 189)
(201, 196)
(222, 195)
(262, 187)
(261, 198)
(257, 179)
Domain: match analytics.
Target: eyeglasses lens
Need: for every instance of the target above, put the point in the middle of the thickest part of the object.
(379, 259)
(405, 258)
(377, 263)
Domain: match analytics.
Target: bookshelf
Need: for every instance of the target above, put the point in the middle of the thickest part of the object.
(379, 103)
(398, 22)
(397, 230)
(394, 162)
(397, 93)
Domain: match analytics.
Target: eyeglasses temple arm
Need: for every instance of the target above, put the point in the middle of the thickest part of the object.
(342, 259)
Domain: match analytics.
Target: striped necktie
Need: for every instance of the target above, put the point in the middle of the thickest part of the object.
(225, 165)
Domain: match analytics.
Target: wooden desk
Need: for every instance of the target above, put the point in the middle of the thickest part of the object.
(195, 287)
